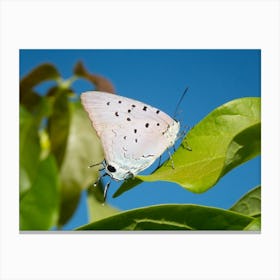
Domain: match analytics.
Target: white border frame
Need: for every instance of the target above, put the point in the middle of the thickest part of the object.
(140, 24)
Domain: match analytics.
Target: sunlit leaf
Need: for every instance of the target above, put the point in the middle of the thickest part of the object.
(226, 138)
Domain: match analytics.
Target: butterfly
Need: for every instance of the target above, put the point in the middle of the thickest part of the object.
(133, 134)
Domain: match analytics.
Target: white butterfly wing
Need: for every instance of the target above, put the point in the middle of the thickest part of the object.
(133, 134)
(106, 108)
(132, 151)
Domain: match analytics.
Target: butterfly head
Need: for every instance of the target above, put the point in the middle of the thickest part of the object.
(116, 172)
(172, 132)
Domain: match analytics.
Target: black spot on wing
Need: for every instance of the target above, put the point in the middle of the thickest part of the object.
(147, 125)
(116, 114)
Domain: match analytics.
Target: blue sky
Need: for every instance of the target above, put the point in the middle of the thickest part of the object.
(159, 77)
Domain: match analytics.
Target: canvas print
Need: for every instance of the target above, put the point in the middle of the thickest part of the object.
(140, 140)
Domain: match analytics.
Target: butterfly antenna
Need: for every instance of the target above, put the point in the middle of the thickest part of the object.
(95, 164)
(179, 102)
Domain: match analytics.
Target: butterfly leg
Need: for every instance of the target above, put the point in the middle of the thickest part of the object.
(170, 157)
(159, 162)
(99, 178)
(183, 134)
(106, 190)
(186, 145)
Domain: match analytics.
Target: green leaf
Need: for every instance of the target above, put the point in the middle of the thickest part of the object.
(226, 138)
(173, 217)
(39, 206)
(255, 225)
(250, 203)
(59, 123)
(245, 146)
(44, 72)
(29, 149)
(83, 149)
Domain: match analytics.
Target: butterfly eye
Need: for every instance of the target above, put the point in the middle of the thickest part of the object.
(111, 168)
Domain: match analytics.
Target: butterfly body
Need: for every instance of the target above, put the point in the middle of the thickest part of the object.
(133, 134)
